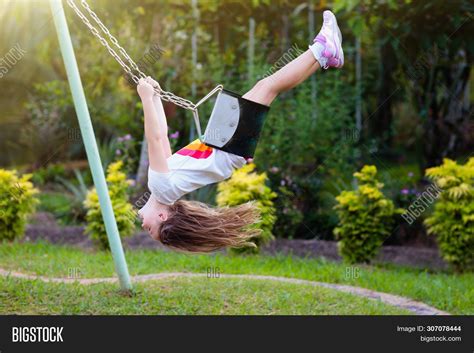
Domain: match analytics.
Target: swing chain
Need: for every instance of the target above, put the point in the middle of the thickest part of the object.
(112, 38)
(96, 33)
(166, 96)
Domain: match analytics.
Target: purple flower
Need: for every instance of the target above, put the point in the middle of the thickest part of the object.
(118, 152)
(405, 191)
(120, 139)
(127, 137)
(274, 169)
(410, 174)
(174, 135)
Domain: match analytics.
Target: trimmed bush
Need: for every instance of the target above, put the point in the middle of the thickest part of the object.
(17, 201)
(247, 185)
(453, 218)
(118, 187)
(365, 216)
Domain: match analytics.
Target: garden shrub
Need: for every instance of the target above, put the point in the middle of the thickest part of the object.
(288, 216)
(365, 218)
(247, 185)
(48, 174)
(17, 201)
(118, 188)
(58, 204)
(77, 191)
(312, 202)
(452, 220)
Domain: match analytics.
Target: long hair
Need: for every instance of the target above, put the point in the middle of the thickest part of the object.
(196, 227)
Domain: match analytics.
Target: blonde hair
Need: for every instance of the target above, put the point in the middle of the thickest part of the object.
(196, 227)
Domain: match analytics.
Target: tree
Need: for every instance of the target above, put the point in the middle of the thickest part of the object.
(433, 45)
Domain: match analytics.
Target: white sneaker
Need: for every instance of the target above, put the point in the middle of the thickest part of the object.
(327, 45)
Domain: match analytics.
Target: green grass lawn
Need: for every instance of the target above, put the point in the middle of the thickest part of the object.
(446, 291)
(184, 296)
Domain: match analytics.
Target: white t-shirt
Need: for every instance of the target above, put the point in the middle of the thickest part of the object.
(191, 168)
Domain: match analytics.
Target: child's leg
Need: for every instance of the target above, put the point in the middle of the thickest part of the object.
(289, 76)
(326, 51)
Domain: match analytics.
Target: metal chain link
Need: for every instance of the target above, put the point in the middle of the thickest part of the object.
(96, 33)
(167, 96)
(111, 37)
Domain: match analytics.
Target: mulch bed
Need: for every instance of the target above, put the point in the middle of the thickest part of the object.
(45, 228)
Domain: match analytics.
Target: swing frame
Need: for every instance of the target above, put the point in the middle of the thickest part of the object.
(90, 143)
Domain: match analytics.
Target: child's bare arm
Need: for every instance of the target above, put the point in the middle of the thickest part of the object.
(153, 129)
(163, 124)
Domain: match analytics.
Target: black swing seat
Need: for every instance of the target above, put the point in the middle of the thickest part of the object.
(235, 124)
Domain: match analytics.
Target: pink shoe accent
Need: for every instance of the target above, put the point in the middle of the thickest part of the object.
(334, 62)
(330, 39)
(328, 53)
(320, 38)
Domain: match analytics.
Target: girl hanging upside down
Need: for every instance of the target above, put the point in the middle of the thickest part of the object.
(193, 226)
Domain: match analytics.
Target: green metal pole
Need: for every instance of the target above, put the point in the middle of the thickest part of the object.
(90, 143)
